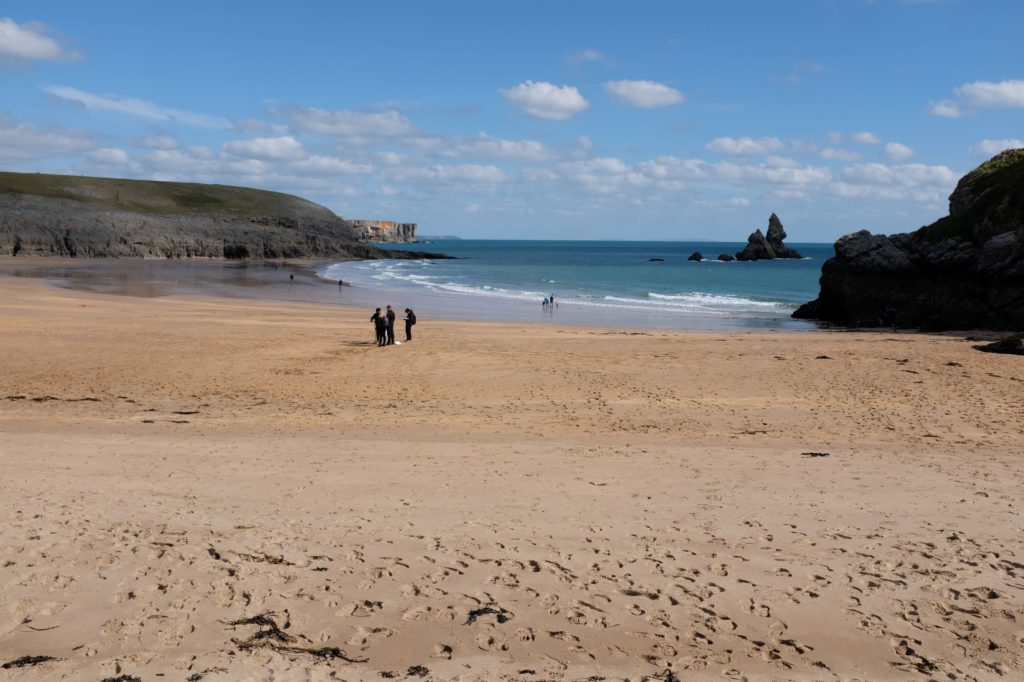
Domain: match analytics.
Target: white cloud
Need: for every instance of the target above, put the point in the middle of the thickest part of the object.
(588, 55)
(29, 41)
(157, 141)
(485, 146)
(898, 152)
(736, 202)
(668, 167)
(915, 181)
(644, 94)
(833, 154)
(993, 147)
(284, 147)
(946, 109)
(865, 137)
(604, 175)
(21, 142)
(545, 100)
(108, 156)
(745, 145)
(348, 123)
(136, 107)
(452, 174)
(1007, 94)
(320, 165)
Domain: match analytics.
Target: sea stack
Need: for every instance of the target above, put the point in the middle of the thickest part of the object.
(964, 271)
(762, 247)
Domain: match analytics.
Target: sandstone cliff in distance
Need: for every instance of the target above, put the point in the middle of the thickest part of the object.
(75, 216)
(384, 231)
(964, 271)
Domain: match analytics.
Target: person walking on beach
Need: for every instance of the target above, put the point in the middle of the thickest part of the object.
(410, 320)
(380, 325)
(391, 326)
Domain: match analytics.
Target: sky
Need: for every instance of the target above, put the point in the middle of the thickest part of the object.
(535, 120)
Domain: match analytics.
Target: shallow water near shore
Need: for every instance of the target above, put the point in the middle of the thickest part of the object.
(631, 285)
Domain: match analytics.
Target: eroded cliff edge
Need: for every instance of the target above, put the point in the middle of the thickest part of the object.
(74, 216)
(964, 271)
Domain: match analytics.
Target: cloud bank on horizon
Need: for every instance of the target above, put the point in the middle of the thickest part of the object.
(488, 138)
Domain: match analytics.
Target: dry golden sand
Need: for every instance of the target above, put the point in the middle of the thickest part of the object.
(491, 501)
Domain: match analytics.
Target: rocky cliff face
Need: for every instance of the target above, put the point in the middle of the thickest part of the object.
(965, 271)
(384, 231)
(71, 216)
(762, 247)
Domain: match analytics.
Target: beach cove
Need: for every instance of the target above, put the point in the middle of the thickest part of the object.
(223, 488)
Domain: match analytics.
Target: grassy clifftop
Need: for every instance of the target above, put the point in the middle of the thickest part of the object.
(151, 196)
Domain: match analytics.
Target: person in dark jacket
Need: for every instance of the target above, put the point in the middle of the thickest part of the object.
(380, 325)
(410, 320)
(391, 325)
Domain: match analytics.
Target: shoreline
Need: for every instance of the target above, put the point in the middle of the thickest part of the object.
(267, 280)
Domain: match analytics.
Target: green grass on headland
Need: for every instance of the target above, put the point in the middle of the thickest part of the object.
(151, 196)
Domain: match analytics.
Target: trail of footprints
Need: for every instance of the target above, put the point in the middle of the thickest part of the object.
(669, 600)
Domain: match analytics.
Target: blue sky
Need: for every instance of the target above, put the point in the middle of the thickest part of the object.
(570, 120)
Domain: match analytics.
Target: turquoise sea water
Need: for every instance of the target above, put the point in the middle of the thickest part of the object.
(604, 283)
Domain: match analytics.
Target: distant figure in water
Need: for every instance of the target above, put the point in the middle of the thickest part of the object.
(291, 278)
(552, 298)
(545, 303)
(380, 325)
(410, 320)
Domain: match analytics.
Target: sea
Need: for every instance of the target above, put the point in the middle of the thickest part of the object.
(631, 285)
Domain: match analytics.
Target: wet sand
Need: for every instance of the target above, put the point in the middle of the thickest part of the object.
(201, 488)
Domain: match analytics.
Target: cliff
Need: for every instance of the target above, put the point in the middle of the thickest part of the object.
(767, 247)
(384, 231)
(964, 271)
(74, 216)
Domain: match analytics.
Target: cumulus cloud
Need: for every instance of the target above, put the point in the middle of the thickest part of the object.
(20, 142)
(29, 42)
(946, 109)
(108, 156)
(157, 141)
(915, 181)
(865, 137)
(644, 94)
(484, 146)
(284, 147)
(545, 100)
(588, 55)
(136, 107)
(321, 165)
(1005, 94)
(833, 154)
(349, 123)
(745, 146)
(993, 147)
(897, 151)
(453, 174)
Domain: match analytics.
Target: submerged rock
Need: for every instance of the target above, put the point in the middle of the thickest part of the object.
(725, 257)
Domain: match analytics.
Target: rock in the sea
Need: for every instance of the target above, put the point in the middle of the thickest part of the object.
(766, 247)
(725, 257)
(696, 256)
(655, 260)
(964, 271)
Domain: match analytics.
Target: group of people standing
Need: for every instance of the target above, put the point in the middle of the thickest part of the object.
(384, 325)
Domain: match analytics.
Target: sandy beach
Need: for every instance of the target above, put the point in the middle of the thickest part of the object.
(224, 489)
